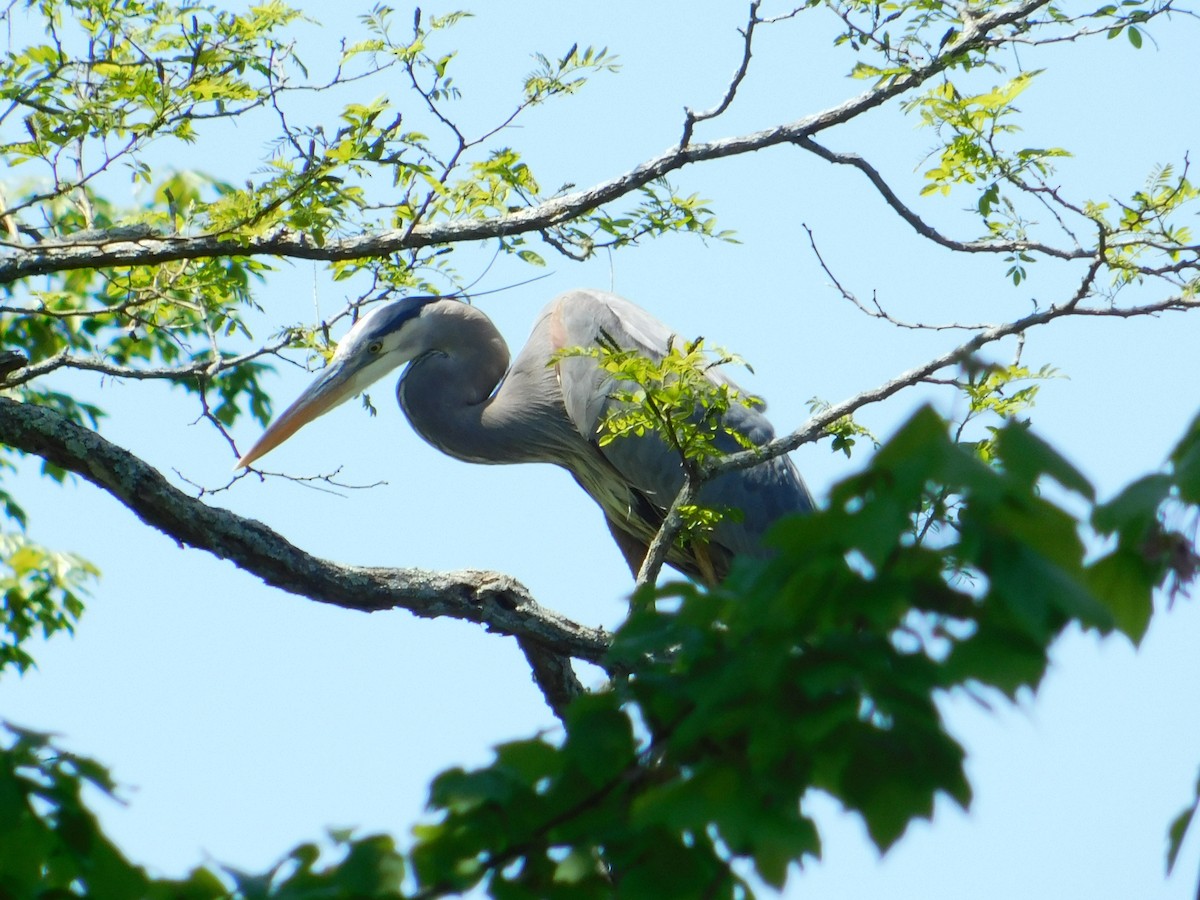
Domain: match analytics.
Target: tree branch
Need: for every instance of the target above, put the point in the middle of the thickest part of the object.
(497, 601)
(553, 675)
(692, 118)
(656, 553)
(923, 228)
(815, 427)
(208, 367)
(47, 257)
(878, 312)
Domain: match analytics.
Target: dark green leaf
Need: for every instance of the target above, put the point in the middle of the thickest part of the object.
(1125, 583)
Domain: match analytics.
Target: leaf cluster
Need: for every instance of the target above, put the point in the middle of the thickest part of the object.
(121, 74)
(845, 431)
(41, 593)
(970, 126)
(976, 127)
(51, 844)
(1003, 392)
(683, 399)
(675, 396)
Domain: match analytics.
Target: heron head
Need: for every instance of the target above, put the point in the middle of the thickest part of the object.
(385, 338)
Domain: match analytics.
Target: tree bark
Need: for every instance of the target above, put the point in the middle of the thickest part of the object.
(497, 601)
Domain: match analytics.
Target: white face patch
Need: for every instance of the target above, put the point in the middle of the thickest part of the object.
(397, 328)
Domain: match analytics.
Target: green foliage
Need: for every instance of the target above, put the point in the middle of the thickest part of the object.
(969, 127)
(123, 73)
(567, 74)
(111, 77)
(1179, 829)
(676, 396)
(817, 670)
(990, 392)
(364, 867)
(679, 397)
(1146, 222)
(96, 83)
(844, 431)
(976, 125)
(41, 593)
(50, 842)
(52, 846)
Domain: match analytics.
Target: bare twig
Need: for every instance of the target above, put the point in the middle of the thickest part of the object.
(876, 311)
(691, 119)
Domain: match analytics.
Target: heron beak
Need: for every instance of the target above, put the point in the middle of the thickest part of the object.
(334, 385)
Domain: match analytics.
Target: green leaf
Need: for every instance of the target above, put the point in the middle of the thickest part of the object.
(1125, 583)
(1179, 828)
(1185, 464)
(1006, 660)
(1028, 457)
(600, 740)
(1134, 511)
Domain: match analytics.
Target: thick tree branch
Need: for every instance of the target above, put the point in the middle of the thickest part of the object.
(497, 601)
(46, 257)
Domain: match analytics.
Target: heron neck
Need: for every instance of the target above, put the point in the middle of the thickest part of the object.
(455, 398)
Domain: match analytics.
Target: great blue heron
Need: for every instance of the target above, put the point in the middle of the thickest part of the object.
(461, 396)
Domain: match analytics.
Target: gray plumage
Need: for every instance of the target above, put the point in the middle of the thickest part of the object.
(462, 397)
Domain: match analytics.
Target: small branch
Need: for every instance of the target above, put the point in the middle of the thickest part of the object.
(919, 225)
(311, 482)
(692, 118)
(553, 675)
(814, 428)
(197, 369)
(656, 554)
(876, 311)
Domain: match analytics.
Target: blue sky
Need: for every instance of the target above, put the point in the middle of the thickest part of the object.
(242, 720)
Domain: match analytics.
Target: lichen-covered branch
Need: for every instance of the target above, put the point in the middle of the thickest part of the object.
(497, 601)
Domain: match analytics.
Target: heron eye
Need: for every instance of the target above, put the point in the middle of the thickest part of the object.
(374, 346)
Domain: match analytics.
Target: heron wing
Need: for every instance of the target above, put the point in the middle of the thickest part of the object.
(762, 493)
